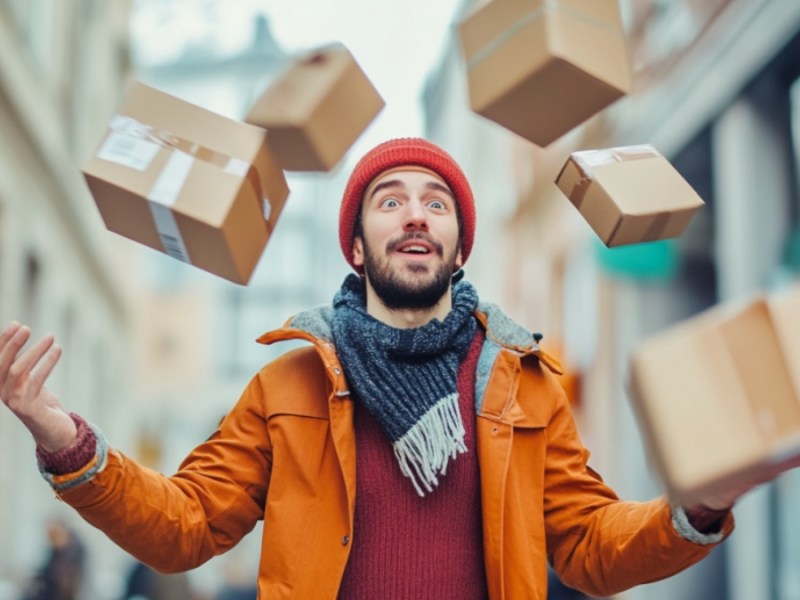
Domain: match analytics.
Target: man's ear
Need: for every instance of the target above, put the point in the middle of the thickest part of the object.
(459, 260)
(358, 251)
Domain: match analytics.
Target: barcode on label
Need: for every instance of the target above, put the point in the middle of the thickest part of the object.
(169, 233)
(127, 150)
(174, 247)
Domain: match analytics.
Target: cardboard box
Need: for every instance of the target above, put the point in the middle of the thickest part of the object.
(718, 396)
(541, 67)
(188, 182)
(629, 194)
(316, 109)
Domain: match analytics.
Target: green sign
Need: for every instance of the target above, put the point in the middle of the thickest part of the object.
(791, 252)
(657, 261)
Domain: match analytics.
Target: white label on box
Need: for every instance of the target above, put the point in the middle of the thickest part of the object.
(127, 150)
(595, 158)
(163, 196)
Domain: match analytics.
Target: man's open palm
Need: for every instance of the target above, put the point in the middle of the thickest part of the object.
(22, 389)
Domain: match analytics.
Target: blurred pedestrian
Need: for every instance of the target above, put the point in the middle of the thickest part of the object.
(145, 583)
(61, 576)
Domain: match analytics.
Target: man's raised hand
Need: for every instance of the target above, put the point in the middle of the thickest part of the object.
(22, 389)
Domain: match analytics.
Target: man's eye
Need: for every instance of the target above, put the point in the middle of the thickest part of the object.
(436, 205)
(389, 203)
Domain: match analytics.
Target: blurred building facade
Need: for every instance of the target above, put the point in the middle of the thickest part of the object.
(716, 91)
(61, 65)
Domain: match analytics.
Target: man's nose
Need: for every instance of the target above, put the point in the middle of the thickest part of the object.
(415, 215)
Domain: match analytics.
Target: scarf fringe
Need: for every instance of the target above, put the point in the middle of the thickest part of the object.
(425, 450)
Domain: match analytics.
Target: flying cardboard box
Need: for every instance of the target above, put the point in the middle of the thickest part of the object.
(541, 67)
(193, 184)
(316, 109)
(629, 194)
(718, 396)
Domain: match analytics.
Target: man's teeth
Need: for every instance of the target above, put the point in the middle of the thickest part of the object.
(415, 249)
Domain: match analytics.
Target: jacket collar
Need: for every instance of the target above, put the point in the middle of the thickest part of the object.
(503, 336)
(314, 325)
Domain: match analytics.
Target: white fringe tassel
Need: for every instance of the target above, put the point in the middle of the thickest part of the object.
(425, 449)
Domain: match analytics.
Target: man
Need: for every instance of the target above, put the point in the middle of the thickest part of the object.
(62, 575)
(420, 447)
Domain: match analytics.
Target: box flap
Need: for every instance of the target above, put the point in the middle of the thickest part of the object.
(167, 113)
(785, 310)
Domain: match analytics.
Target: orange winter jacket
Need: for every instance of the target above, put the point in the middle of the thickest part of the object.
(286, 454)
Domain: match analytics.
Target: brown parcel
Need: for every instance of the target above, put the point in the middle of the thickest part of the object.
(629, 194)
(188, 182)
(718, 396)
(542, 67)
(316, 109)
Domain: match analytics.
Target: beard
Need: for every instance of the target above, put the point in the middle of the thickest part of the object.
(397, 291)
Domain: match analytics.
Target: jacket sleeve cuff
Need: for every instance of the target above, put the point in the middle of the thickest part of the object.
(685, 529)
(78, 462)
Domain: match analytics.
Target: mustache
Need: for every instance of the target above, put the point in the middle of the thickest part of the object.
(392, 245)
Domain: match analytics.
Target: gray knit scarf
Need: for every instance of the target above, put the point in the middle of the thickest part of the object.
(407, 378)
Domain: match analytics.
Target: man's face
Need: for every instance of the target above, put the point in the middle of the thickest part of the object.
(410, 244)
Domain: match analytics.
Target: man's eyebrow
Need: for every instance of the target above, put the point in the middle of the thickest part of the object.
(431, 185)
(436, 186)
(385, 184)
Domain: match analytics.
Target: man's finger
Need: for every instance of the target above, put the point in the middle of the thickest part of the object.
(8, 333)
(32, 355)
(45, 368)
(9, 351)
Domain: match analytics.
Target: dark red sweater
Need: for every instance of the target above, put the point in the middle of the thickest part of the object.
(411, 547)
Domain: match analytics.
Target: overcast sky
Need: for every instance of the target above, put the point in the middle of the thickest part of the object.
(396, 42)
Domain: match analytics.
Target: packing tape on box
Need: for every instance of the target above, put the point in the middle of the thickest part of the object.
(653, 231)
(586, 160)
(135, 144)
(657, 227)
(162, 198)
(528, 18)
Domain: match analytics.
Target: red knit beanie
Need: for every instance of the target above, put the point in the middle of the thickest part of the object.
(398, 153)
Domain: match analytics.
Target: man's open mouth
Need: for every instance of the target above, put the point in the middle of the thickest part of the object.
(414, 249)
